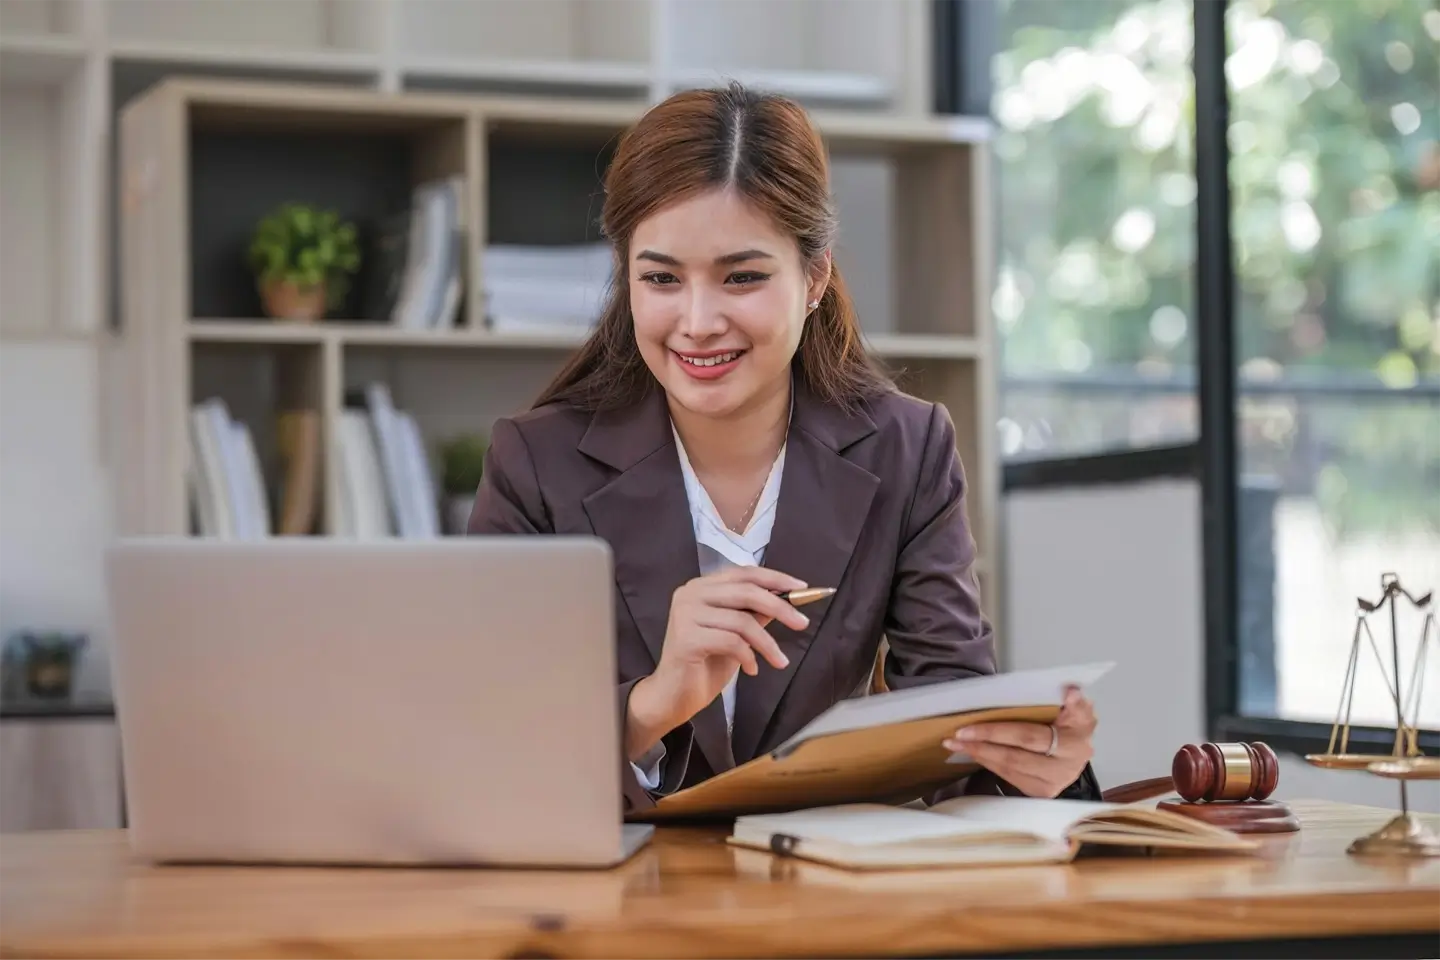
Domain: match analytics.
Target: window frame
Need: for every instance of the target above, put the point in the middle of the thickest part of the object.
(963, 45)
(1215, 369)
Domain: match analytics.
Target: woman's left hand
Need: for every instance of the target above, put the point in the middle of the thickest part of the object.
(1029, 756)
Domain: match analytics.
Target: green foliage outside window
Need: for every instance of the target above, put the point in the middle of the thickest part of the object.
(1335, 190)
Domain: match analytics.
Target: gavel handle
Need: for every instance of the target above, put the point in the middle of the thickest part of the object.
(1140, 790)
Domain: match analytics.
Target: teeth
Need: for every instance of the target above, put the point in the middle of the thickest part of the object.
(711, 361)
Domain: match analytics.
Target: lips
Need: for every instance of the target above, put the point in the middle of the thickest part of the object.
(709, 366)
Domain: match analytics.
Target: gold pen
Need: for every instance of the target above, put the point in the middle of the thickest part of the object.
(798, 598)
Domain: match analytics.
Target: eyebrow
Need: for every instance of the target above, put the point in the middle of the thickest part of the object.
(740, 256)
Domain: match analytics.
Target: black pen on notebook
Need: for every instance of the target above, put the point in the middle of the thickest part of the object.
(798, 598)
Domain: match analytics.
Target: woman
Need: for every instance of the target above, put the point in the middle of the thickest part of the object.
(726, 433)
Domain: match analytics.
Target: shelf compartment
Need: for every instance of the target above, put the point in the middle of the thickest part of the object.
(938, 216)
(570, 34)
(545, 182)
(907, 223)
(277, 394)
(853, 52)
(230, 27)
(449, 395)
(244, 162)
(544, 191)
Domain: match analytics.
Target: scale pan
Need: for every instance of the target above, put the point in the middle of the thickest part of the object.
(1345, 761)
(1407, 768)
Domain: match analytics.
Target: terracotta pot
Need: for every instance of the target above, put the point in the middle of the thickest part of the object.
(287, 300)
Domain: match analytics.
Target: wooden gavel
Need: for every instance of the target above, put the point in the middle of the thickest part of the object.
(1225, 772)
(1228, 784)
(1210, 772)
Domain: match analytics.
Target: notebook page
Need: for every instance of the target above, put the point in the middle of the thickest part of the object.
(1050, 819)
(861, 825)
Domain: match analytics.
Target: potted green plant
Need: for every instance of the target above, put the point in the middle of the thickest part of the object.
(463, 463)
(303, 259)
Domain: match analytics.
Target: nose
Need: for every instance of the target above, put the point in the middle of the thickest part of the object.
(702, 315)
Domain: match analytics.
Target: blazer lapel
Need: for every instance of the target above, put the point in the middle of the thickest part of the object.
(644, 515)
(824, 501)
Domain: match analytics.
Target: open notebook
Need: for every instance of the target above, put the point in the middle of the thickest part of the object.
(973, 831)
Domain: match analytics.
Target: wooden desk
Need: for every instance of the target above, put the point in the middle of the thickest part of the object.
(79, 895)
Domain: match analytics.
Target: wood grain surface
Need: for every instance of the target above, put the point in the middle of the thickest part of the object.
(689, 894)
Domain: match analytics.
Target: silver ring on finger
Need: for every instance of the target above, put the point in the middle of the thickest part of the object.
(1054, 741)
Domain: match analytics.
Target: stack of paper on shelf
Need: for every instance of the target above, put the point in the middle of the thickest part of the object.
(227, 486)
(386, 484)
(545, 288)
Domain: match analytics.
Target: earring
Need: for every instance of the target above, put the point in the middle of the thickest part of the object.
(814, 304)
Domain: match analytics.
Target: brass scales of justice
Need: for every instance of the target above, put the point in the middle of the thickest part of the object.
(1405, 835)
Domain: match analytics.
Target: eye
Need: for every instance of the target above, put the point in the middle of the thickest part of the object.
(659, 278)
(746, 278)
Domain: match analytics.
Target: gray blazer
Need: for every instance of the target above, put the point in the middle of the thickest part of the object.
(871, 502)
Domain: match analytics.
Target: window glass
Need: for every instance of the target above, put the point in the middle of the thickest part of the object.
(1335, 192)
(1094, 302)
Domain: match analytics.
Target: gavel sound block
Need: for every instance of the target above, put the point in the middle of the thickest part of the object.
(1225, 784)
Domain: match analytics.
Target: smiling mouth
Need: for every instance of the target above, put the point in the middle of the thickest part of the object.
(714, 361)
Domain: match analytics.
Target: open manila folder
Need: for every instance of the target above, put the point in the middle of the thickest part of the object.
(884, 748)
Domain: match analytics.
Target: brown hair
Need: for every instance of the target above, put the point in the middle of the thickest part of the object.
(766, 147)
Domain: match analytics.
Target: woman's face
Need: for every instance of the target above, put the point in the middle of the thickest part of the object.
(719, 298)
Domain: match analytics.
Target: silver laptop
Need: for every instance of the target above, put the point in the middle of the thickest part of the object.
(369, 702)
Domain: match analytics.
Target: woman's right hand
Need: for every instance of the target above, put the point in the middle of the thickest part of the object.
(716, 626)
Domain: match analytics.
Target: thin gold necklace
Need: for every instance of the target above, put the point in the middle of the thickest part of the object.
(745, 517)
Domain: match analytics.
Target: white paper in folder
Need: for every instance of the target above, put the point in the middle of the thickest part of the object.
(1017, 688)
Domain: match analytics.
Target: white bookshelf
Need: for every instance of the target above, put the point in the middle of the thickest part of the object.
(860, 52)
(506, 75)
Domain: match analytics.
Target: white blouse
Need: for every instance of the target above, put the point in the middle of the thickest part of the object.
(720, 547)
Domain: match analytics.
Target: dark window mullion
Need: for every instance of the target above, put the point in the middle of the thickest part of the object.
(1215, 361)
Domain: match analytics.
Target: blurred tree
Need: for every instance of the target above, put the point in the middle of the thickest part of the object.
(1335, 188)
(1094, 100)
